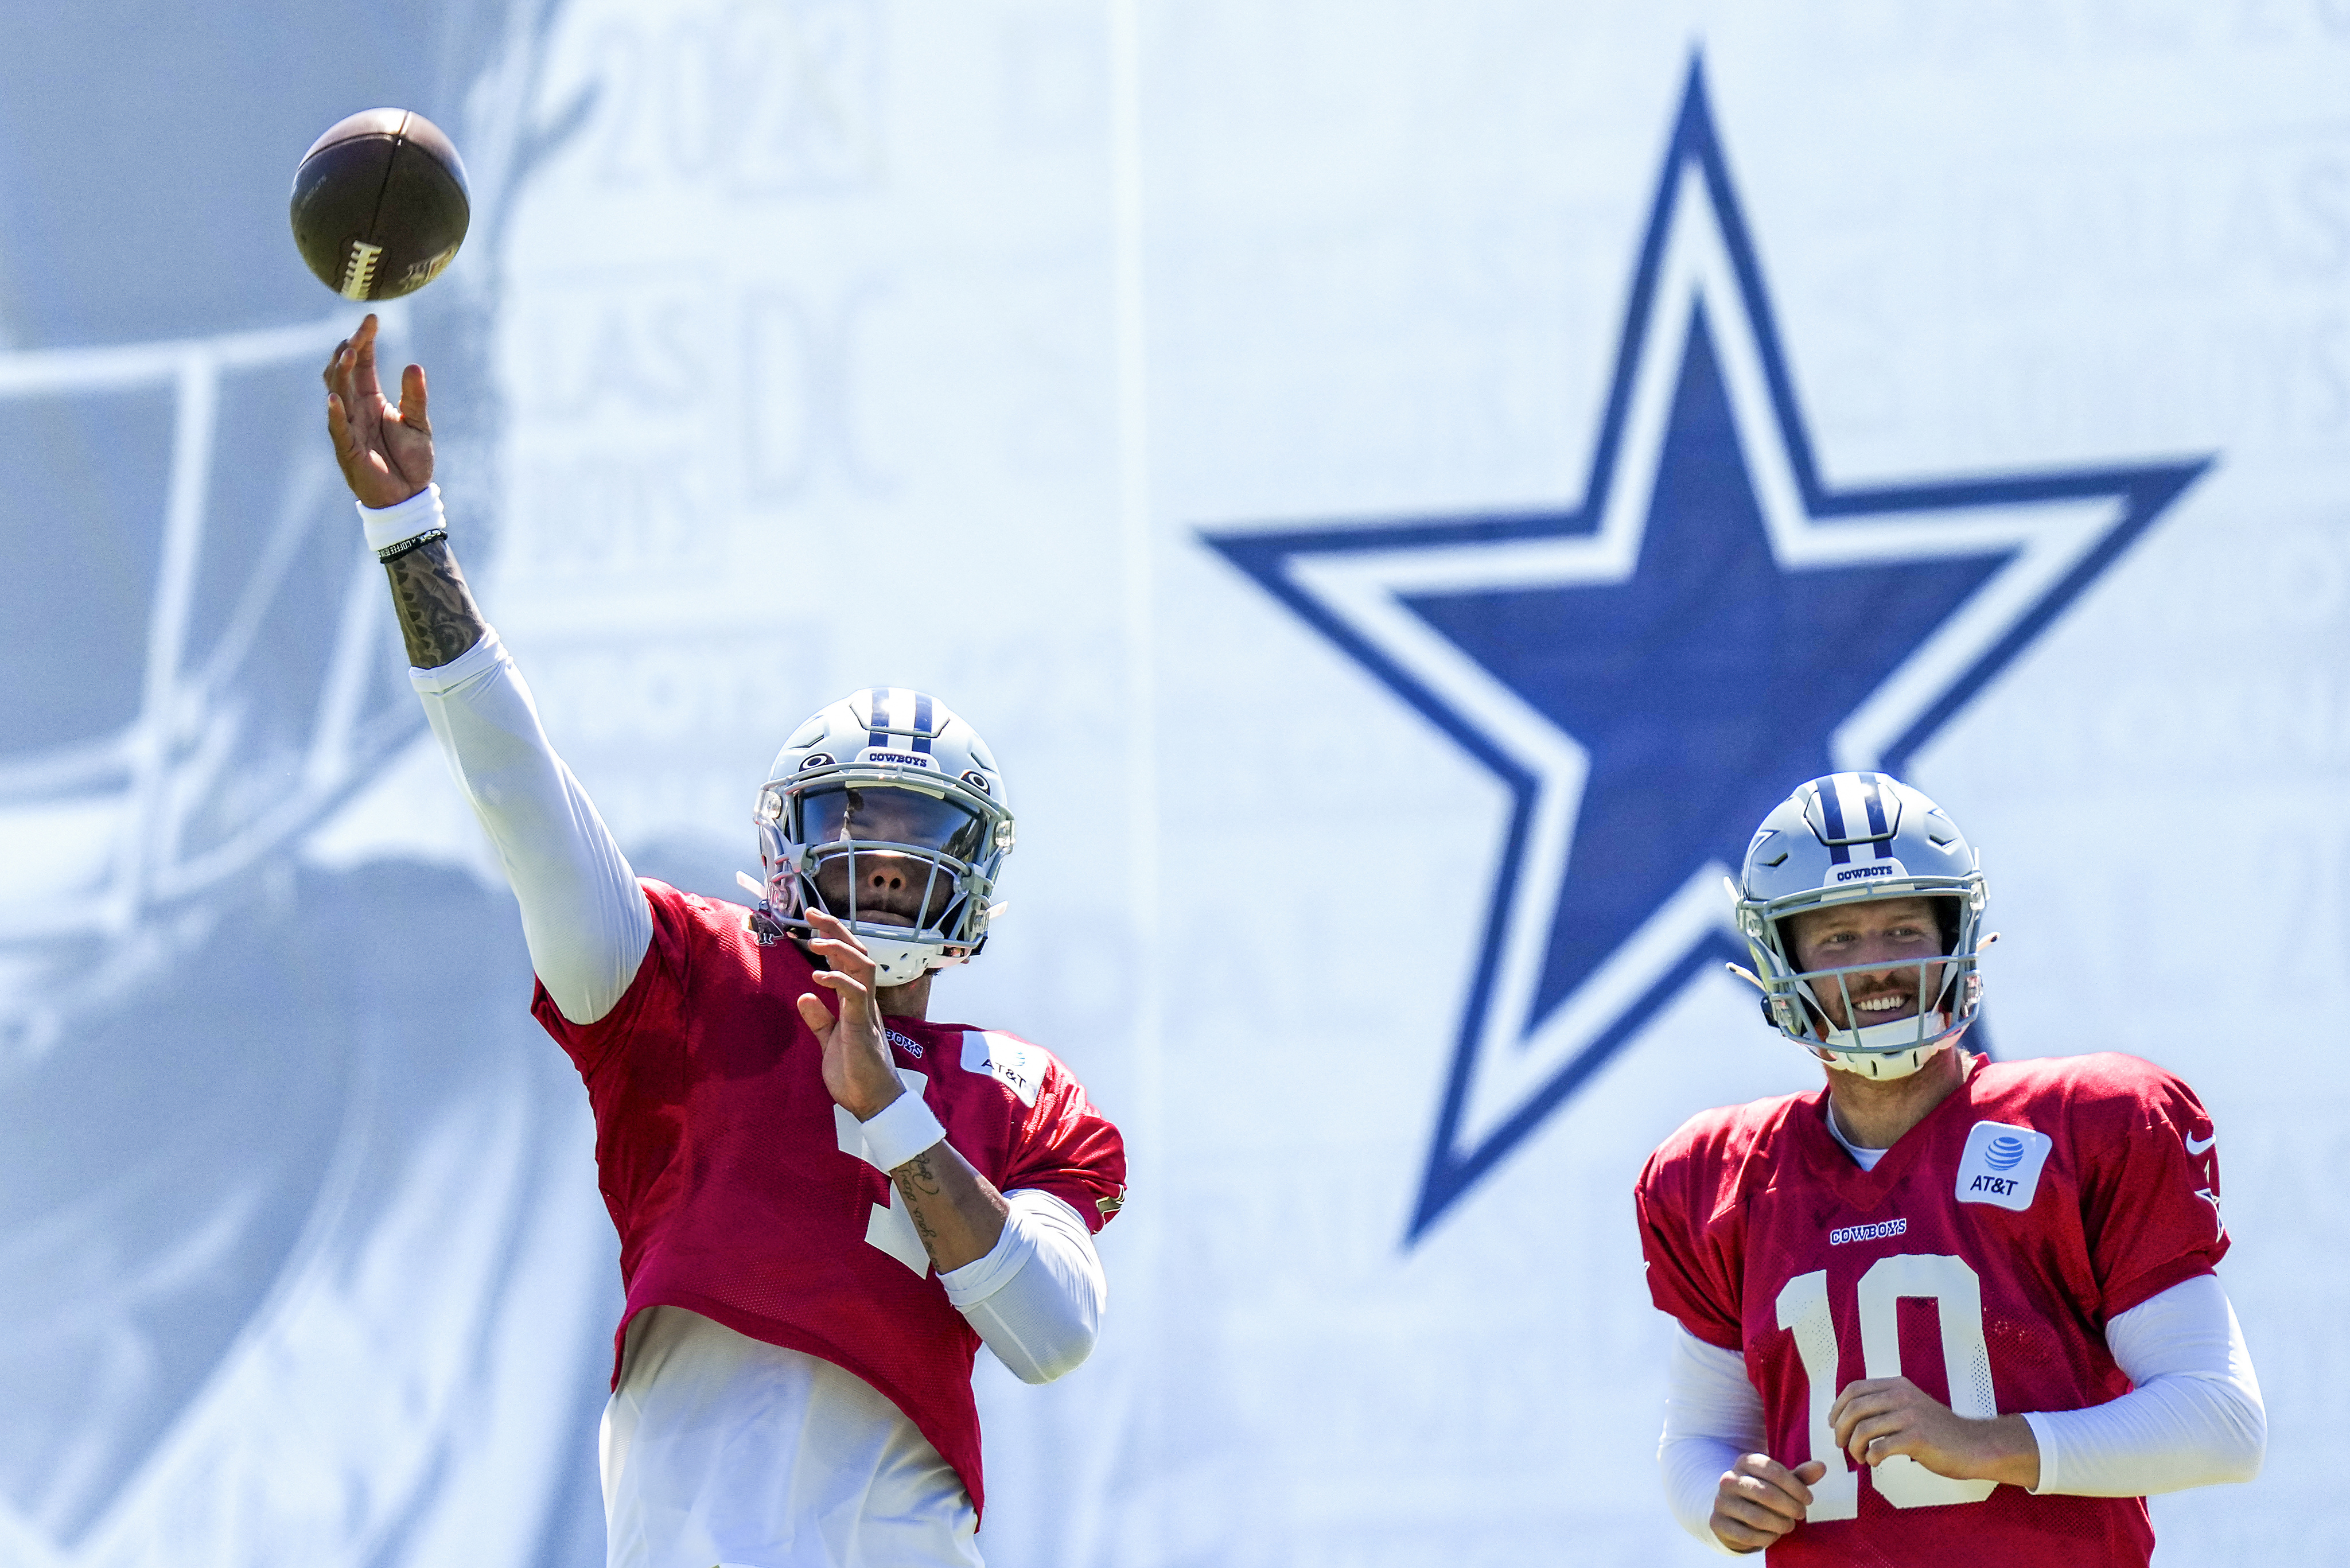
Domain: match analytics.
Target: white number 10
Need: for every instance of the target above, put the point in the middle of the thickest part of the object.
(1956, 1291)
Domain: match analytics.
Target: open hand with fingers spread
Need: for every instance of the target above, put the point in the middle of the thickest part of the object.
(1878, 1418)
(384, 450)
(857, 1069)
(1761, 1499)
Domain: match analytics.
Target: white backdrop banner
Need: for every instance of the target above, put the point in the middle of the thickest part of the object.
(1402, 487)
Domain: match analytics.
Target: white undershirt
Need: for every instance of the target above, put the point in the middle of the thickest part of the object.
(2194, 1419)
(1867, 1156)
(718, 1447)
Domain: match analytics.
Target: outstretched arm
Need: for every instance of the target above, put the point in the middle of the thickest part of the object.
(583, 914)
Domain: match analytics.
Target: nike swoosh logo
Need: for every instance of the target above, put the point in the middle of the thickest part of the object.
(2200, 1149)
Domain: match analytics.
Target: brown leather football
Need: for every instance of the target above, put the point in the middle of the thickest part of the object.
(380, 204)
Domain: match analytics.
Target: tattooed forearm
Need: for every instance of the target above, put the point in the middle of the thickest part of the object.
(917, 1181)
(923, 1229)
(438, 617)
(957, 1212)
(917, 1177)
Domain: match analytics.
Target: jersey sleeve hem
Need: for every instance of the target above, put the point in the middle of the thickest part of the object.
(1711, 1334)
(590, 1045)
(2145, 1287)
(1084, 1198)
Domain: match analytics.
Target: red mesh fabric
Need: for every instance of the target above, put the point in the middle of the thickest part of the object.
(1742, 1205)
(720, 1160)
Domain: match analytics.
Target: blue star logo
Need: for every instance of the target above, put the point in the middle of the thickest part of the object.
(1650, 673)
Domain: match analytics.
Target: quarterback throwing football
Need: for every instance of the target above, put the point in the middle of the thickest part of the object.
(1939, 1283)
(825, 1201)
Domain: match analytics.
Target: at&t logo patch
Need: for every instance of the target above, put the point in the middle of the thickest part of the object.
(1019, 1065)
(2002, 1165)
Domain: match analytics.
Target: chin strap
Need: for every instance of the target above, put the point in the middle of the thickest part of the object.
(1851, 1049)
(1891, 1038)
(901, 962)
(1884, 1068)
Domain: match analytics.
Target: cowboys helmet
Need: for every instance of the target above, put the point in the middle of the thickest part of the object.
(1862, 836)
(887, 811)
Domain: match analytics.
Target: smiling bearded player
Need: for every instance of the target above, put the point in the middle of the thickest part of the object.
(823, 1208)
(1939, 1282)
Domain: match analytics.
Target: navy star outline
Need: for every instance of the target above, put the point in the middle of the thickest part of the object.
(1648, 673)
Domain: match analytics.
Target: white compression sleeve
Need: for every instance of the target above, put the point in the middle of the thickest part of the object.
(1713, 1415)
(583, 914)
(2195, 1418)
(1037, 1298)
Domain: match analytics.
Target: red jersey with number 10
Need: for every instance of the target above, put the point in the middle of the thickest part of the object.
(1982, 1259)
(741, 1191)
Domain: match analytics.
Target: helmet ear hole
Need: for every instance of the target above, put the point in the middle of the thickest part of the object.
(1946, 920)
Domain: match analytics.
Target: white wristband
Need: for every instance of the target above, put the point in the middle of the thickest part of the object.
(404, 520)
(902, 1130)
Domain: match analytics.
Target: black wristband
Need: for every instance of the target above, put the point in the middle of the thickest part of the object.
(391, 553)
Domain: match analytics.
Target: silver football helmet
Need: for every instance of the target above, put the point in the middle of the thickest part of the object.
(887, 811)
(1862, 836)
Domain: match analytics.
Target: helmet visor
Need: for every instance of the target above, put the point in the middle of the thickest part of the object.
(871, 814)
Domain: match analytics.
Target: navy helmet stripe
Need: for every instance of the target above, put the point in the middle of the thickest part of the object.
(877, 716)
(1831, 811)
(1879, 827)
(1875, 801)
(923, 721)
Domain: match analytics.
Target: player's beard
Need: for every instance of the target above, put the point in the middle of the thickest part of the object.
(1829, 1000)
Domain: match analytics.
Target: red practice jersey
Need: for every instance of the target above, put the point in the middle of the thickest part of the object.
(1982, 1259)
(741, 1191)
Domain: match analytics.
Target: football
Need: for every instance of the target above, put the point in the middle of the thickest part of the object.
(380, 204)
